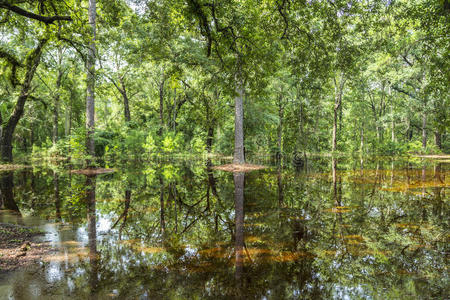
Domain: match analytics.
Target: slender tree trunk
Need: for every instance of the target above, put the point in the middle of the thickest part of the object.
(161, 202)
(408, 129)
(174, 110)
(209, 138)
(56, 99)
(31, 134)
(67, 116)
(339, 133)
(392, 116)
(239, 157)
(126, 107)
(280, 185)
(32, 62)
(161, 106)
(90, 84)
(210, 121)
(334, 141)
(424, 130)
(361, 147)
(280, 125)
(338, 89)
(301, 137)
(437, 139)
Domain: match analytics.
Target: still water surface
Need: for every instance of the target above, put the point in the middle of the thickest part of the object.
(348, 229)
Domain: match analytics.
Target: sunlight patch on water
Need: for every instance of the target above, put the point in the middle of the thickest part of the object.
(338, 209)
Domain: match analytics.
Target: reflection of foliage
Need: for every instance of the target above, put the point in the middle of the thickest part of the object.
(305, 233)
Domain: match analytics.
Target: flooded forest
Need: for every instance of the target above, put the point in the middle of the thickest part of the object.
(217, 149)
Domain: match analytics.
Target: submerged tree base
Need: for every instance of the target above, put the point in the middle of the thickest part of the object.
(91, 172)
(239, 167)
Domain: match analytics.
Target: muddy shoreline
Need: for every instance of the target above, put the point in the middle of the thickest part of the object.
(19, 247)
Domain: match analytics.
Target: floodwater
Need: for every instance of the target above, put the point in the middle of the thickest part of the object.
(347, 229)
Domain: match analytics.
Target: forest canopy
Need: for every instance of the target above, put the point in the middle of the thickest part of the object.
(126, 78)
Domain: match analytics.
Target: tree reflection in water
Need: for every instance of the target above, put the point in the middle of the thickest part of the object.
(170, 231)
(239, 229)
(6, 192)
(92, 234)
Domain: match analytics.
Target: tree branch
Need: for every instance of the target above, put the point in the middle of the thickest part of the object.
(30, 15)
(403, 92)
(14, 62)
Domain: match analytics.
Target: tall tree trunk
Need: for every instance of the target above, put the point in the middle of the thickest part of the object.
(280, 185)
(209, 138)
(424, 130)
(334, 140)
(338, 89)
(32, 62)
(161, 201)
(239, 157)
(392, 116)
(437, 139)
(210, 121)
(280, 125)
(68, 117)
(361, 147)
(174, 117)
(409, 132)
(301, 138)
(126, 107)
(161, 107)
(90, 84)
(56, 98)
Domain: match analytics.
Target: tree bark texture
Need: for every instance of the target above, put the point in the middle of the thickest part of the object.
(424, 130)
(161, 106)
(437, 139)
(239, 157)
(338, 89)
(56, 99)
(126, 106)
(280, 126)
(90, 84)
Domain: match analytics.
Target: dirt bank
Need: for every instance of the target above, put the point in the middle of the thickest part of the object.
(18, 247)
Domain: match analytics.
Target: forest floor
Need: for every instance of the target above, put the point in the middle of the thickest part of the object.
(18, 248)
(239, 167)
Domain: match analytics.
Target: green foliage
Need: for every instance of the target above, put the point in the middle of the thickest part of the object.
(176, 65)
(198, 144)
(172, 142)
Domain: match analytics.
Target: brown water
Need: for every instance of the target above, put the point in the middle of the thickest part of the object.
(348, 229)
